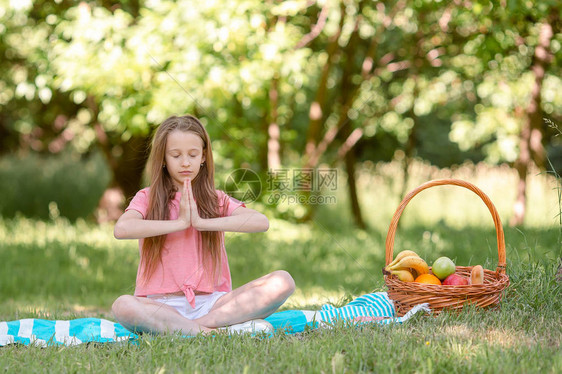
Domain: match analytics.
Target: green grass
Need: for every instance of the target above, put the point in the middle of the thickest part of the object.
(62, 270)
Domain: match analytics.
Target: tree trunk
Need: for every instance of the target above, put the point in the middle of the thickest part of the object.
(353, 196)
(530, 140)
(127, 162)
(316, 113)
(522, 167)
(130, 165)
(273, 131)
(349, 92)
(409, 150)
(410, 146)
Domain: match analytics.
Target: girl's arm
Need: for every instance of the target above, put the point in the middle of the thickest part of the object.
(132, 225)
(241, 220)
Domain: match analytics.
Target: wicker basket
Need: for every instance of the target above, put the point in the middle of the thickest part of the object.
(408, 294)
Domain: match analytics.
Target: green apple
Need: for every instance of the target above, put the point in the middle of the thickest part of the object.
(443, 267)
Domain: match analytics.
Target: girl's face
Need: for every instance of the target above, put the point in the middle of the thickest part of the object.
(184, 155)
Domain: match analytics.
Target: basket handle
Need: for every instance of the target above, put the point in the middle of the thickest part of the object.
(439, 182)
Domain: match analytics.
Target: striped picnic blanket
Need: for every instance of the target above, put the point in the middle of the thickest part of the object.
(370, 308)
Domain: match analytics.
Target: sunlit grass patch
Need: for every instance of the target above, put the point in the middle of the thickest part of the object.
(314, 297)
(380, 189)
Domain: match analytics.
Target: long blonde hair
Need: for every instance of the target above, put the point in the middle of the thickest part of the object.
(162, 192)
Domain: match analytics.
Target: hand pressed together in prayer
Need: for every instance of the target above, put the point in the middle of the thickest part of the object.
(188, 207)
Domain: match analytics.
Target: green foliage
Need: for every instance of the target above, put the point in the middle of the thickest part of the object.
(49, 187)
(125, 71)
(446, 83)
(216, 60)
(505, 51)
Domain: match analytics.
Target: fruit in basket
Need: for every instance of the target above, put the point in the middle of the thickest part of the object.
(399, 257)
(403, 275)
(455, 280)
(443, 267)
(411, 262)
(428, 279)
(477, 275)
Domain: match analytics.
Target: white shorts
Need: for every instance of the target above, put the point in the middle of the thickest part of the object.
(203, 303)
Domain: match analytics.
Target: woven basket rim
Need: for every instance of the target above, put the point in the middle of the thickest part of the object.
(407, 294)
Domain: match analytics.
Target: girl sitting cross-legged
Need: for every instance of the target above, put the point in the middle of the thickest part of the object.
(183, 280)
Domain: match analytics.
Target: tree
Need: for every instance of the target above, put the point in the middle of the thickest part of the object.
(517, 71)
(124, 75)
(282, 83)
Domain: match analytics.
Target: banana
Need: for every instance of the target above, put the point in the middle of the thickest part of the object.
(411, 262)
(403, 275)
(399, 257)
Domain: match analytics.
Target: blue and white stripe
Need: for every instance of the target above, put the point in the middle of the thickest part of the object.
(371, 305)
(43, 333)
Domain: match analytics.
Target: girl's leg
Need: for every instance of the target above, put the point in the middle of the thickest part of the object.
(257, 299)
(140, 314)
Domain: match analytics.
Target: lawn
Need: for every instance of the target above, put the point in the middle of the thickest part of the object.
(62, 270)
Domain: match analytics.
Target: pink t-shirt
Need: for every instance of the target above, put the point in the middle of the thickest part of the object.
(181, 268)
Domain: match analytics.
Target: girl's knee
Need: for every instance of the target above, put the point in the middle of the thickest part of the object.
(123, 306)
(282, 282)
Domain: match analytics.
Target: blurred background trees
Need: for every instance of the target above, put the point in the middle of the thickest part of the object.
(282, 84)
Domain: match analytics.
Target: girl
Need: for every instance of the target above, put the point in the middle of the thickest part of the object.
(183, 279)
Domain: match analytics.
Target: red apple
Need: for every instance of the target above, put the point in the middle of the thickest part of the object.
(455, 280)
